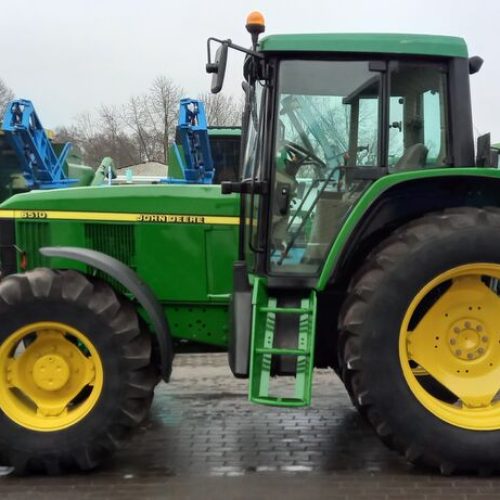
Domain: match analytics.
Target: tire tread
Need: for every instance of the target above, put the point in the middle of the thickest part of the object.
(365, 282)
(134, 346)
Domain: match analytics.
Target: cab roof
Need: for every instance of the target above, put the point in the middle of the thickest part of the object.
(389, 43)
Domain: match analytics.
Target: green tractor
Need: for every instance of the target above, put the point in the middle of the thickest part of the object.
(363, 235)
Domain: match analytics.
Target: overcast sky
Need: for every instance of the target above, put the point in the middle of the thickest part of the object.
(69, 56)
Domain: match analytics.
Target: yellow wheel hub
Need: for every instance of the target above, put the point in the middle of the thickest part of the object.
(468, 340)
(51, 376)
(51, 372)
(451, 333)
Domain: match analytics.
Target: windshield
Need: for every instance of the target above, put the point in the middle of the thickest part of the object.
(328, 121)
(331, 109)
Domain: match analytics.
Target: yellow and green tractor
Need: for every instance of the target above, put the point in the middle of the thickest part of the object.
(362, 234)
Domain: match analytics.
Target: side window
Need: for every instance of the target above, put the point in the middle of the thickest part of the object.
(432, 125)
(366, 151)
(417, 117)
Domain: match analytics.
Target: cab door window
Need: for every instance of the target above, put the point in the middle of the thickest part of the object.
(327, 122)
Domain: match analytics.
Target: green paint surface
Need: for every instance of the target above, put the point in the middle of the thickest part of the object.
(429, 45)
(188, 266)
(151, 198)
(374, 192)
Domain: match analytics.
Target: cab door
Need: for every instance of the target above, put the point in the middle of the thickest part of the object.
(327, 124)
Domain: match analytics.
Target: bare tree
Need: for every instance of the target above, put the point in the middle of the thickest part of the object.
(104, 135)
(165, 96)
(81, 134)
(113, 139)
(151, 118)
(6, 95)
(142, 129)
(222, 110)
(137, 119)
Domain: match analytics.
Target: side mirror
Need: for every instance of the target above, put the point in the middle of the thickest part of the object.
(218, 67)
(475, 63)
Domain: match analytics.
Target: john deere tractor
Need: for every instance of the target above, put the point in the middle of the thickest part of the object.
(362, 235)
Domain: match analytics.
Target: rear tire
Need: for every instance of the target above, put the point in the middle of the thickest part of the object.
(388, 301)
(75, 371)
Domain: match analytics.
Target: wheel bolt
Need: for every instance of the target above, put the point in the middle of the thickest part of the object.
(467, 324)
(458, 352)
(453, 341)
(456, 329)
(484, 339)
(470, 355)
(479, 328)
(480, 350)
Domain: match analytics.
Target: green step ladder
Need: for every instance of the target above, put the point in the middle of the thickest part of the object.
(264, 314)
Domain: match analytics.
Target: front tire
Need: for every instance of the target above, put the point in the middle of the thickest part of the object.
(75, 371)
(421, 345)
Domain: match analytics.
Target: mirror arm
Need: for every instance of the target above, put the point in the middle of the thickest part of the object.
(232, 45)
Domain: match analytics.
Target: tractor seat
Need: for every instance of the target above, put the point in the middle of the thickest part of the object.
(413, 158)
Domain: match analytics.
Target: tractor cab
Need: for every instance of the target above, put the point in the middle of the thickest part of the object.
(326, 124)
(326, 116)
(353, 122)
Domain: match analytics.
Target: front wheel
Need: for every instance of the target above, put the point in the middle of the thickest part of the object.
(421, 352)
(75, 371)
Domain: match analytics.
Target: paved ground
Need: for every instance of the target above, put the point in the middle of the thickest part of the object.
(204, 440)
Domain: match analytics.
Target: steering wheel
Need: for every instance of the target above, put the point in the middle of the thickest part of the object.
(302, 155)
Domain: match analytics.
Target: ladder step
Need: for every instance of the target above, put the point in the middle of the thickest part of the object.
(285, 310)
(283, 352)
(280, 401)
(265, 321)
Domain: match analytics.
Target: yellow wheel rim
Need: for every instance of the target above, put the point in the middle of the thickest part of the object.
(51, 376)
(451, 333)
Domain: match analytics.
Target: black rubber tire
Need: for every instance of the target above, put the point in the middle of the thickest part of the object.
(113, 327)
(370, 323)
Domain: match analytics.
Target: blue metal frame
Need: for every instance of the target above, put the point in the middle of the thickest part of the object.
(197, 164)
(42, 168)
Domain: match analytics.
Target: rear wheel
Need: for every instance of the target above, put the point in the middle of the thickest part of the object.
(421, 342)
(75, 371)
